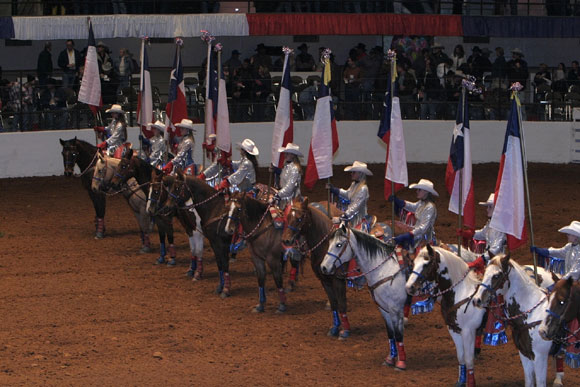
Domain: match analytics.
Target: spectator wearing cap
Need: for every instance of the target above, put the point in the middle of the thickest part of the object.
(261, 58)
(438, 55)
(44, 64)
(69, 60)
(517, 68)
(304, 61)
(234, 62)
(261, 90)
(107, 74)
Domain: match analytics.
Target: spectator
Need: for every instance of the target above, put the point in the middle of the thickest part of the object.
(307, 99)
(234, 62)
(262, 89)
(53, 102)
(543, 79)
(241, 91)
(574, 74)
(517, 68)
(44, 64)
(22, 100)
(361, 51)
(560, 84)
(419, 63)
(261, 58)
(304, 61)
(458, 57)
(107, 74)
(481, 64)
(69, 60)
(475, 53)
(407, 89)
(119, 7)
(438, 55)
(498, 69)
(429, 91)
(369, 67)
(352, 78)
(442, 69)
(124, 69)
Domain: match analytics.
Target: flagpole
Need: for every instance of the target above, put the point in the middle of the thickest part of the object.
(218, 50)
(392, 93)
(515, 88)
(460, 172)
(178, 55)
(141, 87)
(206, 37)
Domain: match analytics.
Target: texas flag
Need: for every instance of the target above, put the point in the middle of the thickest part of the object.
(509, 213)
(391, 132)
(459, 164)
(223, 138)
(145, 99)
(284, 122)
(324, 141)
(211, 102)
(90, 91)
(176, 108)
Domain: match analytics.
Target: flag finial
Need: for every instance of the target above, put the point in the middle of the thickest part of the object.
(206, 36)
(287, 50)
(218, 47)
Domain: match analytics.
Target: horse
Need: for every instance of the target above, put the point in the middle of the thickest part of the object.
(189, 195)
(316, 227)
(455, 284)
(563, 307)
(385, 276)
(525, 306)
(264, 240)
(104, 170)
(83, 154)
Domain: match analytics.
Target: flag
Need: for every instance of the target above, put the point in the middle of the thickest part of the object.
(145, 99)
(211, 102)
(460, 163)
(284, 122)
(391, 132)
(90, 91)
(176, 108)
(509, 213)
(324, 140)
(223, 138)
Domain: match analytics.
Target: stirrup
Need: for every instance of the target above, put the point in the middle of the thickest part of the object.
(236, 247)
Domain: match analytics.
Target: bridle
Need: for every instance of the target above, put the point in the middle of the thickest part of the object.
(337, 257)
(72, 152)
(301, 220)
(497, 281)
(123, 167)
(566, 304)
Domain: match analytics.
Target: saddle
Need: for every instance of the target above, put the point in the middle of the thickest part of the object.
(191, 170)
(122, 150)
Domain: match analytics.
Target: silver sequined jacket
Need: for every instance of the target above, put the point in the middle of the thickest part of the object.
(158, 150)
(184, 157)
(244, 176)
(570, 253)
(358, 194)
(425, 215)
(289, 183)
(115, 133)
(495, 240)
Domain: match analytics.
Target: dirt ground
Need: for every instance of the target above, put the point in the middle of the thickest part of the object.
(79, 311)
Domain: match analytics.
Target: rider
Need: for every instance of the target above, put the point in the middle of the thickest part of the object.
(425, 214)
(115, 133)
(570, 252)
(184, 157)
(157, 145)
(244, 176)
(290, 178)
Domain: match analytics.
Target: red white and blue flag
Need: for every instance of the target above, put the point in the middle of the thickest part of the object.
(223, 138)
(211, 102)
(324, 141)
(90, 90)
(284, 122)
(509, 212)
(459, 163)
(391, 132)
(176, 108)
(145, 99)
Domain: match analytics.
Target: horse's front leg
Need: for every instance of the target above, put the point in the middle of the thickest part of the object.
(528, 366)
(541, 350)
(468, 338)
(145, 225)
(327, 284)
(196, 249)
(559, 360)
(460, 349)
(339, 289)
(275, 263)
(260, 267)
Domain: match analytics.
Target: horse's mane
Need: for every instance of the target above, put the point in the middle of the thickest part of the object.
(84, 144)
(373, 246)
(319, 220)
(199, 184)
(254, 208)
(455, 265)
(526, 280)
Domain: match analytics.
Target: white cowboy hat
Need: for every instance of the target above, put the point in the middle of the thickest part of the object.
(358, 166)
(490, 200)
(157, 124)
(425, 185)
(187, 124)
(212, 136)
(115, 109)
(249, 146)
(291, 148)
(572, 229)
(517, 51)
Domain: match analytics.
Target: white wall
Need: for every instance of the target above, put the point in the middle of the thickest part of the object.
(39, 153)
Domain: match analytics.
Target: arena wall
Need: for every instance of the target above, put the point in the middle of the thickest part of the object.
(39, 153)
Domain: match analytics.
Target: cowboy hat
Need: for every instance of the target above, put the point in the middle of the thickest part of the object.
(291, 148)
(249, 146)
(303, 45)
(517, 51)
(425, 185)
(260, 46)
(157, 124)
(358, 166)
(115, 109)
(572, 229)
(438, 45)
(490, 201)
(187, 124)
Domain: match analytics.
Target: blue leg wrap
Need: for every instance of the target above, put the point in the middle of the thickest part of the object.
(221, 279)
(162, 250)
(262, 295)
(393, 345)
(335, 330)
(462, 374)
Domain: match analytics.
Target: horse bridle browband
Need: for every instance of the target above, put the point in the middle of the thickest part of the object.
(499, 284)
(342, 251)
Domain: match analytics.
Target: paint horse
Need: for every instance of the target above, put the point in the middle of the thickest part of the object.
(525, 307)
(263, 239)
(105, 169)
(83, 154)
(454, 286)
(188, 194)
(385, 278)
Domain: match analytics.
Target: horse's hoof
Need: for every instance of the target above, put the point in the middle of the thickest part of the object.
(558, 382)
(99, 235)
(389, 361)
(258, 309)
(145, 250)
(459, 384)
(189, 273)
(197, 276)
(281, 308)
(160, 261)
(172, 262)
(327, 306)
(401, 365)
(225, 294)
(333, 332)
(344, 334)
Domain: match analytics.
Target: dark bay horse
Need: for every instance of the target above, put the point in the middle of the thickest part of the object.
(563, 307)
(83, 154)
(316, 227)
(188, 194)
(264, 240)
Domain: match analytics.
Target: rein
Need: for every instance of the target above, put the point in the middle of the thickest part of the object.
(90, 164)
(194, 205)
(253, 232)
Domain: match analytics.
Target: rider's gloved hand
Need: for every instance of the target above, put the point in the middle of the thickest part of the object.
(333, 190)
(405, 239)
(540, 251)
(168, 168)
(399, 203)
(102, 145)
(224, 184)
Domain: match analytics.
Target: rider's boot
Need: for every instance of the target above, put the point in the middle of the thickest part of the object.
(401, 364)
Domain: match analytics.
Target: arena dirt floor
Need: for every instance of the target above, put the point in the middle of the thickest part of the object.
(80, 311)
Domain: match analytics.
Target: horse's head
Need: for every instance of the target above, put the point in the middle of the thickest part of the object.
(100, 177)
(495, 280)
(234, 212)
(339, 252)
(69, 155)
(125, 169)
(296, 219)
(560, 309)
(178, 192)
(425, 269)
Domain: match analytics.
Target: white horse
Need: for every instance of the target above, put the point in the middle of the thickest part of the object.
(384, 275)
(454, 284)
(525, 305)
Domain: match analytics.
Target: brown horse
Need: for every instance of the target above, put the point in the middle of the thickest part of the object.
(563, 307)
(188, 194)
(83, 154)
(264, 240)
